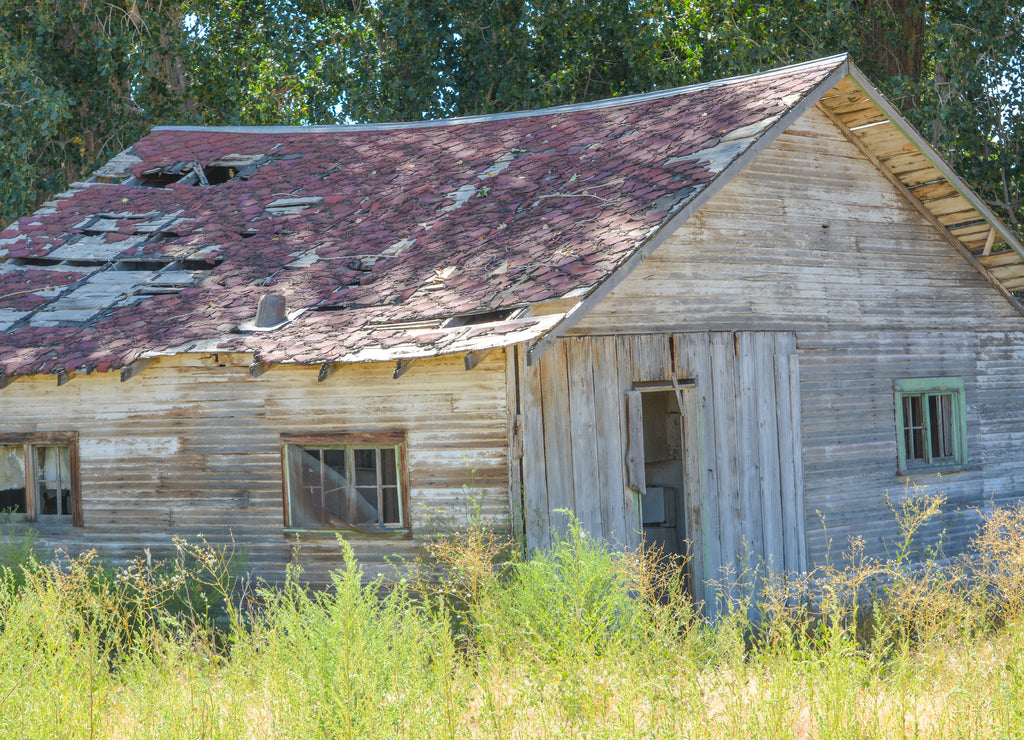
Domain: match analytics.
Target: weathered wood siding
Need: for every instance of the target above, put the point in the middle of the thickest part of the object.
(575, 434)
(742, 477)
(851, 484)
(191, 446)
(810, 238)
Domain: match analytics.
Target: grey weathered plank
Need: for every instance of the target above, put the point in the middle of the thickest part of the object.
(608, 425)
(514, 429)
(792, 514)
(724, 390)
(557, 435)
(535, 487)
(748, 462)
(582, 417)
(635, 477)
(774, 527)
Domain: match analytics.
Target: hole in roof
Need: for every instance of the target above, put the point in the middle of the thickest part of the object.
(140, 265)
(486, 317)
(221, 170)
(34, 261)
(158, 178)
(218, 175)
(201, 263)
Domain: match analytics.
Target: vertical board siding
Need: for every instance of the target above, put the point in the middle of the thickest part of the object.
(768, 452)
(192, 447)
(743, 499)
(582, 417)
(558, 433)
(750, 493)
(535, 487)
(610, 424)
(576, 438)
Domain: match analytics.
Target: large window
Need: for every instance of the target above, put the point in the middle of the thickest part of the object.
(39, 476)
(931, 423)
(345, 482)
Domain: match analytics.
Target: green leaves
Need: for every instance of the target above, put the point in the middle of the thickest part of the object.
(952, 66)
(81, 81)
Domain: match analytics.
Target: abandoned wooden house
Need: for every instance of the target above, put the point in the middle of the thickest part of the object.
(737, 317)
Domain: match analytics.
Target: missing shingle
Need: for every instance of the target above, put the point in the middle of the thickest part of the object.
(290, 206)
(484, 317)
(233, 167)
(184, 173)
(217, 172)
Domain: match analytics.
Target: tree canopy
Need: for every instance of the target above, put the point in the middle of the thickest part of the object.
(81, 80)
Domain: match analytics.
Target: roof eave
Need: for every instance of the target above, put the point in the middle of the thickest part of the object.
(934, 158)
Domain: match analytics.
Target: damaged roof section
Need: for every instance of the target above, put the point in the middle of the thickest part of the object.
(383, 241)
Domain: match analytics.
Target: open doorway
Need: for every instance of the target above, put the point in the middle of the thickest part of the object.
(663, 505)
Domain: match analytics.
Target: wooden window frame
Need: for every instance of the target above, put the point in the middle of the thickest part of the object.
(925, 388)
(345, 440)
(29, 441)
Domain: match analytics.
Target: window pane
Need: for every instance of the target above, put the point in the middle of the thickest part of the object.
(946, 430)
(366, 467)
(52, 481)
(366, 485)
(390, 492)
(343, 487)
(306, 509)
(388, 467)
(366, 512)
(392, 506)
(913, 418)
(335, 484)
(12, 479)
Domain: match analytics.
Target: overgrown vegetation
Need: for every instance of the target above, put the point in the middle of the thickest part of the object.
(578, 641)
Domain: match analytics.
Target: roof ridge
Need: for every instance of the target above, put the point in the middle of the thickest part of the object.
(830, 61)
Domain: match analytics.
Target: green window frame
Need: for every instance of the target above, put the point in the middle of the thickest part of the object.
(931, 424)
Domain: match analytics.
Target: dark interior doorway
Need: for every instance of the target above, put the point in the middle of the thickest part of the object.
(663, 506)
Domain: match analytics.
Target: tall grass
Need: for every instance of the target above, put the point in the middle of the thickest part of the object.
(577, 641)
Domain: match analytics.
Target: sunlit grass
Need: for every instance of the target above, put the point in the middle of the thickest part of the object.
(577, 641)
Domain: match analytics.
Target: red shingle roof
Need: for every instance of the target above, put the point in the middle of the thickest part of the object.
(375, 235)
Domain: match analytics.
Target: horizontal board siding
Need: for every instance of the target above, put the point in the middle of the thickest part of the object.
(192, 448)
(851, 484)
(809, 236)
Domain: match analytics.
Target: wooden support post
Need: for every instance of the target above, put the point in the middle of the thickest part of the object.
(989, 242)
(402, 367)
(474, 358)
(257, 368)
(63, 376)
(327, 370)
(132, 369)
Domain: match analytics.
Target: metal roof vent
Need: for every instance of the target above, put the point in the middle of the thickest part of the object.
(270, 311)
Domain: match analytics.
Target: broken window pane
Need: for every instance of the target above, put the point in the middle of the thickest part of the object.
(53, 484)
(343, 487)
(50, 492)
(933, 432)
(12, 479)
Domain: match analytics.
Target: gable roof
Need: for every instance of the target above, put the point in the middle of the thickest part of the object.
(389, 241)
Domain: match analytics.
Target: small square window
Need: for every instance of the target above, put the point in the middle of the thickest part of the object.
(931, 424)
(344, 482)
(39, 476)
